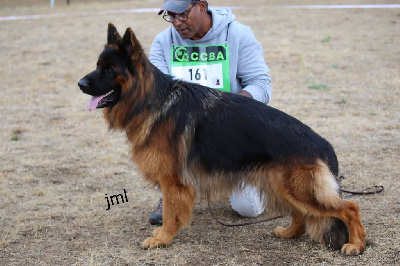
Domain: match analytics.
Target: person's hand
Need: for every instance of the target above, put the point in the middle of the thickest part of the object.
(245, 93)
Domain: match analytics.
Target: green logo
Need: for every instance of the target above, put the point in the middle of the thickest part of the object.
(181, 54)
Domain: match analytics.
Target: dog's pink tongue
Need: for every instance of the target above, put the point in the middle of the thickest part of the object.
(94, 102)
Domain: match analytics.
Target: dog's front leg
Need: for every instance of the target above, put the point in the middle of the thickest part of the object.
(178, 200)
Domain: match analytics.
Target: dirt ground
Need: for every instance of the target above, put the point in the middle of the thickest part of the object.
(337, 70)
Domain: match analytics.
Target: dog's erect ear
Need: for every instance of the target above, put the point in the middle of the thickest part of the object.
(113, 36)
(131, 45)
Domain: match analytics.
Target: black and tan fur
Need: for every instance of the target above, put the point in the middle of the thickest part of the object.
(190, 139)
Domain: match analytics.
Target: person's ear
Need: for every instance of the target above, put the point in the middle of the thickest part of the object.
(203, 7)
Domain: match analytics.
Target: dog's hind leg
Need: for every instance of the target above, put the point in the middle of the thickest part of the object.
(339, 228)
(295, 230)
(178, 200)
(330, 208)
(313, 192)
(349, 213)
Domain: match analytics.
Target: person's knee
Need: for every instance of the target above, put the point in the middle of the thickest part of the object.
(247, 201)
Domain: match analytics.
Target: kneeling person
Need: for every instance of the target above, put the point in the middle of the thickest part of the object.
(206, 45)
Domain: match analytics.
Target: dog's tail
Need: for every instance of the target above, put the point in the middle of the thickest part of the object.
(332, 232)
(336, 235)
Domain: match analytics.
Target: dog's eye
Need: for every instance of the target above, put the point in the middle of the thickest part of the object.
(108, 70)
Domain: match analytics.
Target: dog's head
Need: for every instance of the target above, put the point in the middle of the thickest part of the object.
(114, 66)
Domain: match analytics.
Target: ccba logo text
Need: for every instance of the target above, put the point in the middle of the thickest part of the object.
(199, 53)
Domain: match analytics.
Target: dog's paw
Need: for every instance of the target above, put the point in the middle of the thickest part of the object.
(351, 249)
(279, 231)
(153, 242)
(156, 231)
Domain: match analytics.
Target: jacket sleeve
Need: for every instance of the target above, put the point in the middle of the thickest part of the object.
(252, 70)
(157, 55)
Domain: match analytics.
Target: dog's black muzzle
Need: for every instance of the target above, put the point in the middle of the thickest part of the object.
(87, 87)
(83, 85)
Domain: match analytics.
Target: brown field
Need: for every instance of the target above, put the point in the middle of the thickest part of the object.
(336, 70)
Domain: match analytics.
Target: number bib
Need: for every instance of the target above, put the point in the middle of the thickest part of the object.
(205, 65)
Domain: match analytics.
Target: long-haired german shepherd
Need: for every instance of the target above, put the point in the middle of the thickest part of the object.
(187, 138)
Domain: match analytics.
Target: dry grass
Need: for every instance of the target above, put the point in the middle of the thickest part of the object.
(337, 70)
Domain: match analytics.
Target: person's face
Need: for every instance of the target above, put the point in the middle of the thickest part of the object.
(191, 28)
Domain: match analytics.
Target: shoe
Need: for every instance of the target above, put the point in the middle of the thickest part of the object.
(155, 217)
(247, 201)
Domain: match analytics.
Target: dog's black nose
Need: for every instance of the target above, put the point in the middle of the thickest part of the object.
(83, 83)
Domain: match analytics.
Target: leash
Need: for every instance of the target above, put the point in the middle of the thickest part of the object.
(367, 191)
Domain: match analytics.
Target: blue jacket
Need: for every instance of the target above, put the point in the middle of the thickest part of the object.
(248, 69)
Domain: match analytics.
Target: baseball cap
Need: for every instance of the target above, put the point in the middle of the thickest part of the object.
(175, 6)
